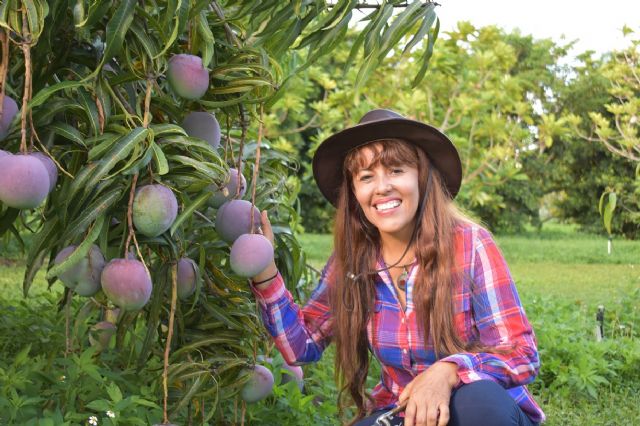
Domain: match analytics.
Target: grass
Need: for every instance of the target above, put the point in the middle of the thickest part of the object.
(558, 261)
(556, 264)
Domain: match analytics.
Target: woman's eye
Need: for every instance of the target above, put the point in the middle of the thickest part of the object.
(365, 178)
(397, 171)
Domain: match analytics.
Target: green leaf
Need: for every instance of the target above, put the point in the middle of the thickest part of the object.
(400, 26)
(433, 35)
(97, 10)
(180, 15)
(117, 28)
(207, 42)
(92, 212)
(35, 17)
(80, 252)
(42, 242)
(148, 44)
(162, 166)
(607, 217)
(425, 26)
(7, 219)
(44, 94)
(114, 392)
(213, 173)
(90, 109)
(99, 405)
(68, 132)
(164, 129)
(188, 211)
(119, 152)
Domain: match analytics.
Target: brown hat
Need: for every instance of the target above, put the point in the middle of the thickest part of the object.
(380, 124)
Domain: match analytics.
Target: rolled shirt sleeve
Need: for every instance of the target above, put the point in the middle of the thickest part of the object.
(500, 320)
(300, 334)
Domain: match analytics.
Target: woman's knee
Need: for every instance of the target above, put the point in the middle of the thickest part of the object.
(484, 402)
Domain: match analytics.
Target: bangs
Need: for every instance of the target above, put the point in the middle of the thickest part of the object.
(386, 152)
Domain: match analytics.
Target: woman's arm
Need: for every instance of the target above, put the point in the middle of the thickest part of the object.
(299, 334)
(500, 320)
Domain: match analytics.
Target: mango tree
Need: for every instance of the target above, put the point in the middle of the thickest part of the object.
(127, 128)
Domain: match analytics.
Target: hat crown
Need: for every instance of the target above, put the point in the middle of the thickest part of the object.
(379, 114)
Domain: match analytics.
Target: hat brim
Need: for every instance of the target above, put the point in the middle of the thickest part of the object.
(329, 157)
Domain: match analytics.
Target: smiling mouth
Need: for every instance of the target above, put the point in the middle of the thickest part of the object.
(387, 206)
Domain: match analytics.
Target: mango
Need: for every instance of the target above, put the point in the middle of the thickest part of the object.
(251, 254)
(155, 208)
(231, 188)
(187, 276)
(203, 125)
(259, 385)
(234, 219)
(24, 181)
(187, 76)
(84, 276)
(51, 167)
(9, 111)
(126, 283)
(293, 372)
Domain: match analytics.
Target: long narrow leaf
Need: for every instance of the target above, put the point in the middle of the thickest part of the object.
(188, 211)
(119, 152)
(79, 252)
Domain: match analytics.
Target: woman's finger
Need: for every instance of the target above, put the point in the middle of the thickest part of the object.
(405, 393)
(432, 415)
(443, 417)
(421, 415)
(410, 414)
(266, 226)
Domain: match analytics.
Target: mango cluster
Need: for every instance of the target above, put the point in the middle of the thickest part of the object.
(250, 253)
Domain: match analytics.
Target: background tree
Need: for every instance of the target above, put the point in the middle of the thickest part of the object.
(491, 92)
(588, 161)
(613, 125)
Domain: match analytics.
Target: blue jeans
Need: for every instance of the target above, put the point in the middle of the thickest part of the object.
(483, 403)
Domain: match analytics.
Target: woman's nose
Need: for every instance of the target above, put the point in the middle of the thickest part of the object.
(383, 185)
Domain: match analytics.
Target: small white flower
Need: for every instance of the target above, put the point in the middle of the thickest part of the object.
(111, 414)
(93, 420)
(63, 378)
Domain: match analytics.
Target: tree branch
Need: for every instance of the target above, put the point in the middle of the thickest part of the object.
(366, 5)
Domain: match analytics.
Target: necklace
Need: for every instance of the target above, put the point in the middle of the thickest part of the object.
(404, 276)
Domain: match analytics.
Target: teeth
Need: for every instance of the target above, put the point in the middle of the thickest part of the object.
(388, 205)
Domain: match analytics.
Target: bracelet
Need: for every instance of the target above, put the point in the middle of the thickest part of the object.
(267, 280)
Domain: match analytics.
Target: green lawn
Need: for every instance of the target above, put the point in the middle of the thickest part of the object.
(558, 261)
(562, 277)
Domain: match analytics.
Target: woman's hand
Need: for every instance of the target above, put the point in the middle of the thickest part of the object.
(265, 226)
(427, 396)
(269, 271)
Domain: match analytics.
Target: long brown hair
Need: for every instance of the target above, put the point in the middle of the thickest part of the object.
(357, 242)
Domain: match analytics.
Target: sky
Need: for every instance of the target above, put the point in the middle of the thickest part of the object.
(597, 24)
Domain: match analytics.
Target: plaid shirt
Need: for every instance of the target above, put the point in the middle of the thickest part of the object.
(486, 308)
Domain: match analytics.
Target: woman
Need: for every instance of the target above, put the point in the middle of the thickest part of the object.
(412, 281)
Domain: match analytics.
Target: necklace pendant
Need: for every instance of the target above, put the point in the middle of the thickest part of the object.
(402, 280)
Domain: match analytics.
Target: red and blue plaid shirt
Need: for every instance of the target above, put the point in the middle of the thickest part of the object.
(486, 308)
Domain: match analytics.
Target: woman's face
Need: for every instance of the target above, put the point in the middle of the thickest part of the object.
(388, 196)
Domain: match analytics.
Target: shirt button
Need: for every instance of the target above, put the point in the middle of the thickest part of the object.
(404, 351)
(402, 320)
